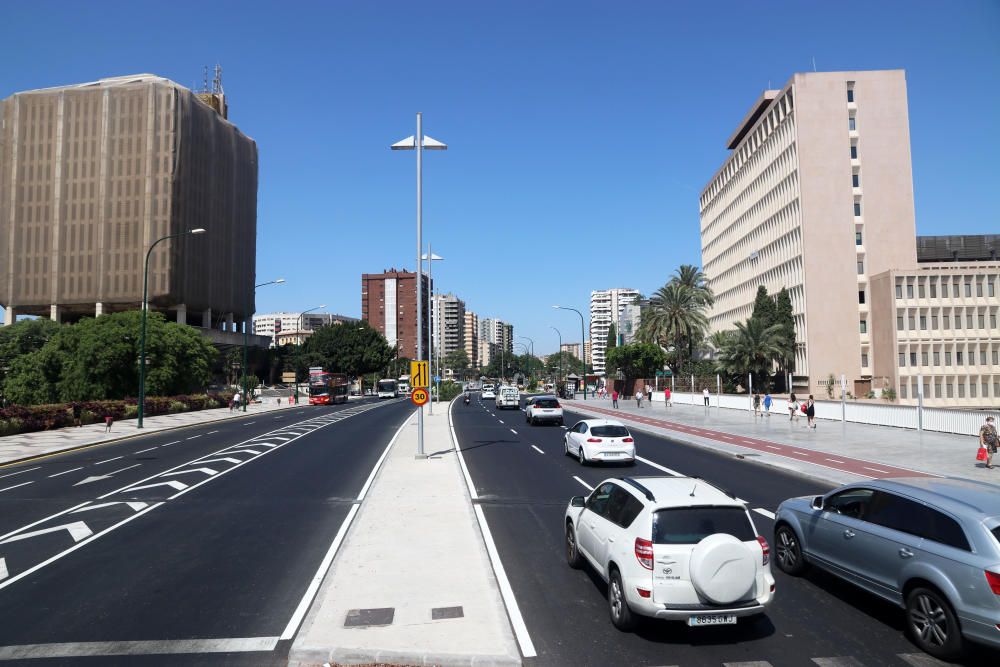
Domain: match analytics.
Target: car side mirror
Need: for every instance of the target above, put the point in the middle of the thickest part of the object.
(577, 501)
(817, 503)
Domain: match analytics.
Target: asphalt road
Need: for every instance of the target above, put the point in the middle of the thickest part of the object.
(525, 480)
(207, 536)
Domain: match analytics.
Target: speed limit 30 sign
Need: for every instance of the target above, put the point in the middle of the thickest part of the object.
(419, 396)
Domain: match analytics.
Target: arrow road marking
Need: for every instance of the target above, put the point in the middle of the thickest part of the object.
(223, 460)
(96, 478)
(78, 530)
(207, 471)
(237, 451)
(173, 484)
(136, 506)
(3, 569)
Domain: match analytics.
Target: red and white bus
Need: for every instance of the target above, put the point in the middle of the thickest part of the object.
(327, 388)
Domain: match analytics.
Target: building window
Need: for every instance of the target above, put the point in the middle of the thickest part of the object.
(982, 321)
(909, 291)
(954, 289)
(979, 289)
(899, 291)
(923, 359)
(947, 322)
(857, 214)
(864, 326)
(996, 357)
(856, 180)
(989, 289)
(937, 389)
(913, 358)
(920, 290)
(923, 322)
(850, 92)
(951, 389)
(968, 289)
(961, 389)
(864, 360)
(947, 357)
(972, 390)
(903, 388)
(958, 320)
(913, 323)
(899, 322)
(982, 357)
(854, 151)
(937, 359)
(993, 320)
(986, 388)
(996, 388)
(959, 357)
(861, 296)
(852, 124)
(934, 322)
(933, 290)
(902, 359)
(861, 267)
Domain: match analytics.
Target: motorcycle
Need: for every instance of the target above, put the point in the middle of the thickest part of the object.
(466, 399)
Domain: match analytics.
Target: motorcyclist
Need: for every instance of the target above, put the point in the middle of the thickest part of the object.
(467, 398)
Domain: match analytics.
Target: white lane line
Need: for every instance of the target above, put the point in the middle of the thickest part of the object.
(513, 431)
(195, 436)
(763, 512)
(876, 470)
(461, 458)
(147, 647)
(170, 443)
(835, 460)
(66, 472)
(920, 660)
(142, 451)
(211, 432)
(109, 460)
(20, 472)
(499, 420)
(248, 423)
(659, 467)
(537, 449)
(589, 487)
(840, 661)
(795, 451)
(15, 486)
(772, 447)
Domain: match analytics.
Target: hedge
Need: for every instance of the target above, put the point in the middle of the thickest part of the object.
(27, 419)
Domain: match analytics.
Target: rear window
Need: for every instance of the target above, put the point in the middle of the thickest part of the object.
(609, 431)
(996, 534)
(690, 525)
(546, 403)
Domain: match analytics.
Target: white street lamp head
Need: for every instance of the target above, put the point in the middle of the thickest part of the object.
(279, 281)
(434, 257)
(410, 143)
(199, 230)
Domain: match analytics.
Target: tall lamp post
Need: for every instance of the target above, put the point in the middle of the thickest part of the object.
(526, 351)
(559, 377)
(145, 308)
(430, 258)
(299, 331)
(246, 326)
(531, 355)
(583, 345)
(419, 143)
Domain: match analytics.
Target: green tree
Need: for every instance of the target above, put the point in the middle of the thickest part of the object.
(675, 320)
(457, 361)
(763, 307)
(354, 349)
(19, 340)
(750, 349)
(570, 364)
(612, 338)
(691, 277)
(636, 360)
(786, 320)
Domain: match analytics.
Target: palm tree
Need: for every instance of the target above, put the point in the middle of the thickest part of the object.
(674, 319)
(751, 348)
(694, 279)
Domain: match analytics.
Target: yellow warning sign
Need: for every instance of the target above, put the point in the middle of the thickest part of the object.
(419, 374)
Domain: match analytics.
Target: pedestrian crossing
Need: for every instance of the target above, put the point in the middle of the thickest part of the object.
(911, 659)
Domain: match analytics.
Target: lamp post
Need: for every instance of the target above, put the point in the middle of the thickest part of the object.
(419, 143)
(430, 258)
(559, 377)
(145, 308)
(526, 352)
(246, 314)
(299, 332)
(583, 345)
(532, 355)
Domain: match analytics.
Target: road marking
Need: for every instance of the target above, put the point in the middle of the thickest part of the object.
(884, 472)
(835, 460)
(206, 471)
(170, 443)
(763, 512)
(3, 568)
(659, 467)
(173, 484)
(225, 459)
(109, 460)
(240, 451)
(583, 482)
(839, 661)
(211, 432)
(248, 423)
(78, 530)
(537, 449)
(136, 506)
(794, 451)
(66, 472)
(499, 420)
(921, 660)
(461, 458)
(15, 486)
(20, 472)
(149, 647)
(195, 436)
(96, 478)
(513, 431)
(143, 451)
(772, 447)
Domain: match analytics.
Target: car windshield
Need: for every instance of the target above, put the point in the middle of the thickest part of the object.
(546, 403)
(317, 390)
(609, 431)
(690, 525)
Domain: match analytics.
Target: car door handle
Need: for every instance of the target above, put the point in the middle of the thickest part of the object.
(905, 553)
(611, 539)
(848, 533)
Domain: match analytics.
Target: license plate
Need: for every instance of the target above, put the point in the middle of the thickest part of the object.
(712, 619)
(613, 454)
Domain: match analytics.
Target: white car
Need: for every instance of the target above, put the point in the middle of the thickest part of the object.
(604, 440)
(488, 393)
(543, 409)
(673, 548)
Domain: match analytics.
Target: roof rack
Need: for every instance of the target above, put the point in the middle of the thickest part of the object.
(640, 488)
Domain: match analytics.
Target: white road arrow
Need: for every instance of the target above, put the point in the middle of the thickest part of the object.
(78, 530)
(207, 471)
(3, 569)
(174, 484)
(222, 460)
(238, 451)
(97, 478)
(136, 506)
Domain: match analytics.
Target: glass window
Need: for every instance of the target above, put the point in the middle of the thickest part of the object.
(903, 388)
(857, 235)
(902, 359)
(864, 326)
(996, 357)
(959, 358)
(850, 94)
(857, 214)
(982, 357)
(951, 389)
(982, 321)
(979, 289)
(598, 500)
(923, 322)
(947, 357)
(899, 323)
(972, 390)
(861, 267)
(913, 323)
(958, 320)
(968, 289)
(854, 151)
(920, 290)
(954, 289)
(856, 180)
(850, 502)
(986, 388)
(961, 389)
(937, 361)
(923, 359)
(852, 124)
(690, 525)
(913, 358)
(937, 389)
(892, 511)
(993, 320)
(934, 322)
(933, 290)
(989, 289)
(909, 291)
(864, 360)
(623, 507)
(609, 431)
(899, 291)
(947, 322)
(861, 296)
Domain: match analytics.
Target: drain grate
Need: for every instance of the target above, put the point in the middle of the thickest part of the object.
(437, 613)
(357, 618)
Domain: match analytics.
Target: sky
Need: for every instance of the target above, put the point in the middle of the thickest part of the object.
(580, 133)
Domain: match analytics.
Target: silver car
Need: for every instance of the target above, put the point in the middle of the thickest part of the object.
(930, 545)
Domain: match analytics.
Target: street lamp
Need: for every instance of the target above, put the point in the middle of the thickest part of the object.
(583, 345)
(418, 142)
(526, 352)
(145, 307)
(303, 340)
(532, 354)
(560, 353)
(430, 258)
(246, 314)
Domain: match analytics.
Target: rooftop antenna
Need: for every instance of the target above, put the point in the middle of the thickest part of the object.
(204, 85)
(217, 81)
(814, 63)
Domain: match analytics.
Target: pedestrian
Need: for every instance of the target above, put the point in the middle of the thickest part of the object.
(230, 403)
(108, 421)
(77, 411)
(793, 407)
(767, 403)
(811, 412)
(705, 395)
(614, 398)
(666, 397)
(756, 404)
(988, 438)
(638, 397)
(649, 395)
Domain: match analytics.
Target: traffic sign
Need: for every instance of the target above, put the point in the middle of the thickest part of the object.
(419, 396)
(419, 374)
(437, 378)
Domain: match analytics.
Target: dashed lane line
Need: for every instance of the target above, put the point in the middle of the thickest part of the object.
(170, 443)
(66, 472)
(195, 436)
(513, 431)
(15, 486)
(20, 472)
(589, 487)
(834, 460)
(884, 472)
(211, 432)
(143, 451)
(109, 460)
(248, 423)
(656, 465)
(537, 449)
(144, 647)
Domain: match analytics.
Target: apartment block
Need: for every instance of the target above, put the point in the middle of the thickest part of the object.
(389, 304)
(572, 348)
(448, 317)
(815, 196)
(472, 338)
(498, 333)
(605, 309)
(628, 321)
(293, 328)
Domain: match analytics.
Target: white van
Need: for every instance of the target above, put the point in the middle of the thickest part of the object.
(508, 397)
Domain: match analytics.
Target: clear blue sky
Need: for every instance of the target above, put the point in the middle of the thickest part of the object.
(580, 133)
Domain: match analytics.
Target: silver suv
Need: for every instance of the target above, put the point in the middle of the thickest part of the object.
(930, 545)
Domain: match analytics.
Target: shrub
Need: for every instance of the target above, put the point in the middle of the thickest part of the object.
(178, 406)
(131, 411)
(889, 394)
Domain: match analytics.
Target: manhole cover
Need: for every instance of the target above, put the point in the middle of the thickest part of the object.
(362, 617)
(438, 613)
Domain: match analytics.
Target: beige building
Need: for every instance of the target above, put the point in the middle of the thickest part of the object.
(815, 196)
(472, 338)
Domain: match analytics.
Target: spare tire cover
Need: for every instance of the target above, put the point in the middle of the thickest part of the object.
(722, 569)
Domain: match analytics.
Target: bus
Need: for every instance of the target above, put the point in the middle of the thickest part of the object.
(404, 384)
(388, 389)
(327, 388)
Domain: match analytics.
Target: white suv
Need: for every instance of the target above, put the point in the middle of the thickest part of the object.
(674, 548)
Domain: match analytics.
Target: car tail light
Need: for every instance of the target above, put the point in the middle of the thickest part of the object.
(992, 578)
(767, 551)
(627, 440)
(644, 552)
(594, 440)
(556, 406)
(643, 593)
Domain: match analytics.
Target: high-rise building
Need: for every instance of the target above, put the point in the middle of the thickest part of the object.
(605, 308)
(497, 332)
(93, 174)
(389, 304)
(284, 328)
(472, 338)
(816, 196)
(628, 321)
(572, 348)
(448, 316)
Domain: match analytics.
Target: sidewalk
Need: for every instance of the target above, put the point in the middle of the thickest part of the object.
(412, 583)
(834, 451)
(29, 445)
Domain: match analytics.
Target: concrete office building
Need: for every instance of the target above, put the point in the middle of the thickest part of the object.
(389, 304)
(471, 325)
(92, 174)
(498, 333)
(486, 352)
(293, 328)
(605, 308)
(816, 196)
(448, 317)
(572, 348)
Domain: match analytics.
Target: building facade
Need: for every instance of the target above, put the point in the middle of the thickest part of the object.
(284, 328)
(572, 348)
(605, 309)
(498, 333)
(628, 321)
(471, 324)
(816, 196)
(389, 305)
(448, 317)
(93, 174)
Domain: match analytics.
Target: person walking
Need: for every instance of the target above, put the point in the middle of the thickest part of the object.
(77, 411)
(767, 403)
(666, 397)
(988, 438)
(705, 395)
(108, 421)
(811, 412)
(614, 398)
(793, 407)
(649, 395)
(638, 397)
(756, 404)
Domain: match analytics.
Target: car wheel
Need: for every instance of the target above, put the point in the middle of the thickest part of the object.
(788, 551)
(526, 418)
(573, 558)
(933, 624)
(582, 456)
(621, 616)
(560, 422)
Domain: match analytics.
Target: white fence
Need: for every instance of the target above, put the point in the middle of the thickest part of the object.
(965, 422)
